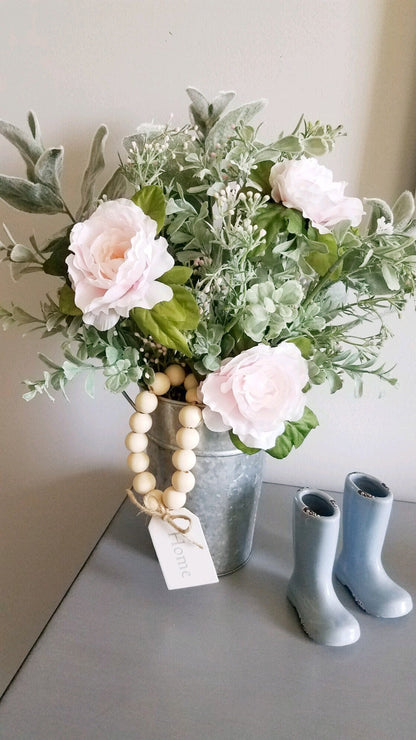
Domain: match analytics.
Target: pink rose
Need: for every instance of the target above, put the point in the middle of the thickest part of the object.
(255, 393)
(115, 262)
(308, 186)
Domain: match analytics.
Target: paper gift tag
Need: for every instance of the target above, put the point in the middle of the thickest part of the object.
(183, 563)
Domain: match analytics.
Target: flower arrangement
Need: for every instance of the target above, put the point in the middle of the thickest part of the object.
(243, 262)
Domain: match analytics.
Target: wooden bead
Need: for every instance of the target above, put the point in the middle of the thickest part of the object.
(152, 499)
(146, 402)
(144, 482)
(138, 462)
(183, 481)
(160, 385)
(190, 416)
(191, 396)
(176, 374)
(140, 423)
(136, 442)
(190, 382)
(184, 459)
(173, 499)
(186, 438)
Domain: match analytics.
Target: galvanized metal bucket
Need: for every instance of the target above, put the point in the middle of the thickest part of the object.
(227, 490)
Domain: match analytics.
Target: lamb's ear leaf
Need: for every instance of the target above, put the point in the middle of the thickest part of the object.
(403, 210)
(199, 103)
(48, 168)
(33, 197)
(94, 167)
(35, 128)
(225, 125)
(29, 149)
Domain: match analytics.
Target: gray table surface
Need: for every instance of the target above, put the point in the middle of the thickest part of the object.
(124, 658)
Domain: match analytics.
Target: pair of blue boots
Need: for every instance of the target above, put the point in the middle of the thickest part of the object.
(366, 507)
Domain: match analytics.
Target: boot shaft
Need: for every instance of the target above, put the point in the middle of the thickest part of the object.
(316, 520)
(366, 508)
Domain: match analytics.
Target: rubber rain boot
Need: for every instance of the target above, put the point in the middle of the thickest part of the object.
(366, 513)
(316, 519)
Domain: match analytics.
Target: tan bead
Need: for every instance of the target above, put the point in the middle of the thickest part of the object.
(138, 461)
(146, 402)
(184, 459)
(140, 423)
(190, 416)
(173, 499)
(160, 385)
(136, 442)
(186, 438)
(144, 482)
(191, 396)
(190, 382)
(183, 481)
(152, 499)
(176, 374)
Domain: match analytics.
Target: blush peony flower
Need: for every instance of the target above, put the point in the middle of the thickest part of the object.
(308, 186)
(255, 393)
(115, 263)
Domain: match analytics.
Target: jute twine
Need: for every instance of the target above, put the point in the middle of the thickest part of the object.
(163, 513)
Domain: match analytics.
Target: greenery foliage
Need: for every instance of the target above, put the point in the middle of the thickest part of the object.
(247, 269)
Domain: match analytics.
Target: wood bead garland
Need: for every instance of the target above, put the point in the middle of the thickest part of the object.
(140, 423)
(187, 438)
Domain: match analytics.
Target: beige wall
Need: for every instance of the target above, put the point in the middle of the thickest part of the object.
(124, 61)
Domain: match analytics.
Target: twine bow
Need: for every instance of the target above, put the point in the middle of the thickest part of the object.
(163, 513)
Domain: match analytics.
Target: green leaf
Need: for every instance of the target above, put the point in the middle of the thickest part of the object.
(94, 167)
(29, 196)
(152, 202)
(241, 446)
(115, 187)
(270, 219)
(294, 221)
(177, 275)
(261, 176)
(55, 264)
(166, 321)
(294, 434)
(322, 261)
(156, 326)
(48, 168)
(303, 344)
(67, 302)
(182, 309)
